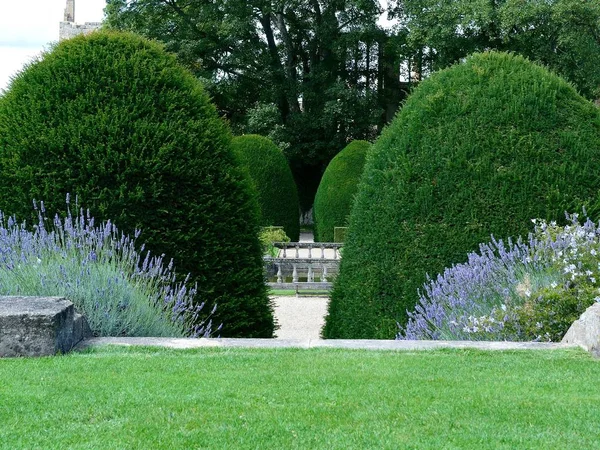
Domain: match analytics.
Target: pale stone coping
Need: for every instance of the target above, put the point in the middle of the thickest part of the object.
(364, 344)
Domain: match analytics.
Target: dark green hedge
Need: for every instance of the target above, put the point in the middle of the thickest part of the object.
(337, 190)
(113, 119)
(272, 177)
(480, 148)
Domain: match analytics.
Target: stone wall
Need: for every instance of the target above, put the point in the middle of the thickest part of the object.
(68, 30)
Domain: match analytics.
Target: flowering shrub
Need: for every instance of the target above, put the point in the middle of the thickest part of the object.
(521, 291)
(268, 235)
(100, 271)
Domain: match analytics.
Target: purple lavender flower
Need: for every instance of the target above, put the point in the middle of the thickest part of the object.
(477, 300)
(102, 272)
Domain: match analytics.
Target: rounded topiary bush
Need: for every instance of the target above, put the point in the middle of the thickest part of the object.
(113, 119)
(271, 175)
(480, 148)
(337, 190)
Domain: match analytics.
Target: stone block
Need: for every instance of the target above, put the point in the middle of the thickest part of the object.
(81, 328)
(37, 326)
(585, 331)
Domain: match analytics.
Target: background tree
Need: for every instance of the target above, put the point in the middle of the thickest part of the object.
(316, 62)
(337, 190)
(563, 35)
(273, 181)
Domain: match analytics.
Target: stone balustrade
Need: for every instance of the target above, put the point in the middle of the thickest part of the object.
(314, 261)
(309, 250)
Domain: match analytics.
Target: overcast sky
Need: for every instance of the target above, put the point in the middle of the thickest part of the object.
(28, 26)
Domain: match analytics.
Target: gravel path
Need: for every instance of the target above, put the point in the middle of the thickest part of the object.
(300, 317)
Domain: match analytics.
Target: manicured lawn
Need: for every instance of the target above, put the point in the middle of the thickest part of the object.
(145, 398)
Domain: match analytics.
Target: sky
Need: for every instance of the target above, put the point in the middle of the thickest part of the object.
(28, 26)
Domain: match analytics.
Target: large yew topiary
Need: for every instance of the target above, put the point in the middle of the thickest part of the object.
(337, 190)
(480, 148)
(271, 175)
(113, 119)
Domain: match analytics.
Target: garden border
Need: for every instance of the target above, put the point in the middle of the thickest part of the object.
(362, 344)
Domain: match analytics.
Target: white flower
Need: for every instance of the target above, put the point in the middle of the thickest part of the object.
(553, 284)
(593, 252)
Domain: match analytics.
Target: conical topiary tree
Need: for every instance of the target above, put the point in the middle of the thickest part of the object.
(337, 190)
(480, 148)
(113, 119)
(272, 177)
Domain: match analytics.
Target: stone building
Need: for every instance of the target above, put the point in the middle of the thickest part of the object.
(69, 28)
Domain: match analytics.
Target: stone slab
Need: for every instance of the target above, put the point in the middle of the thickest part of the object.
(585, 332)
(35, 326)
(362, 344)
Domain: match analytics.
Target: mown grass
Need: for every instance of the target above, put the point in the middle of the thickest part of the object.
(113, 398)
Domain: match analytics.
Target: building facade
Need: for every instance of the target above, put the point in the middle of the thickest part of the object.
(69, 28)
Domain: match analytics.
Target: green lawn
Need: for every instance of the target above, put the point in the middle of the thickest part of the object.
(145, 398)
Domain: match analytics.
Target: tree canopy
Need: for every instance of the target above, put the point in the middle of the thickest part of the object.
(313, 75)
(563, 35)
(314, 61)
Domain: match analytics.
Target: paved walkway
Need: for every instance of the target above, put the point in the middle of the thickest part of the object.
(300, 317)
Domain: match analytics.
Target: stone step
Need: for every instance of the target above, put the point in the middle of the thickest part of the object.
(39, 326)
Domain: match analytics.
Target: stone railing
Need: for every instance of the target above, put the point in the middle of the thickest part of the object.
(309, 250)
(314, 261)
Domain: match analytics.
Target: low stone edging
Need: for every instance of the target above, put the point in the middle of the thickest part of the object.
(41, 326)
(364, 344)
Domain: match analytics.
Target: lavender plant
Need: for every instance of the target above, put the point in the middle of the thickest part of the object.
(520, 291)
(101, 272)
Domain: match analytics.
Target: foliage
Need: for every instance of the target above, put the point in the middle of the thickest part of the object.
(478, 149)
(337, 190)
(561, 34)
(265, 120)
(314, 62)
(268, 236)
(332, 74)
(339, 234)
(114, 119)
(522, 291)
(273, 180)
(102, 273)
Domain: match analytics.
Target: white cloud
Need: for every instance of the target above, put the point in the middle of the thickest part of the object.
(13, 60)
